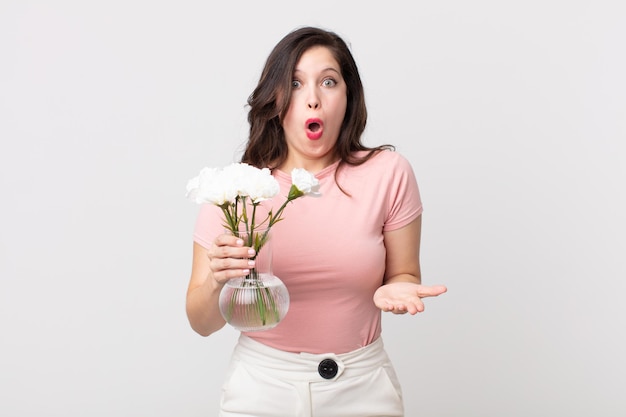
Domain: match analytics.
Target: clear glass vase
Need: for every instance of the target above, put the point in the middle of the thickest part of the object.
(259, 300)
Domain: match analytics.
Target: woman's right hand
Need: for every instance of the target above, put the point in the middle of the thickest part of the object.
(228, 258)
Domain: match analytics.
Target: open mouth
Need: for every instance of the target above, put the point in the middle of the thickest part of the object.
(314, 128)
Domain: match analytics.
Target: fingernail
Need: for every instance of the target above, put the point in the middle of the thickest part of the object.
(251, 252)
(239, 242)
(251, 263)
(245, 271)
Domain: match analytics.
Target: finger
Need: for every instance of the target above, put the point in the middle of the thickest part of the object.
(386, 306)
(227, 251)
(225, 264)
(416, 307)
(228, 240)
(224, 276)
(398, 308)
(431, 291)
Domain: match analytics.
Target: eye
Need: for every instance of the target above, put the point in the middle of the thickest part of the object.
(295, 84)
(329, 82)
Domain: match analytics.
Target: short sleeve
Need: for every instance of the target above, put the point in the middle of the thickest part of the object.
(209, 225)
(404, 201)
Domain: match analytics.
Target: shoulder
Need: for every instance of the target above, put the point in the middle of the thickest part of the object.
(390, 156)
(385, 168)
(386, 160)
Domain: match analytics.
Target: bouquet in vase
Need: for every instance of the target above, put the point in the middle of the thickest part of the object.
(259, 300)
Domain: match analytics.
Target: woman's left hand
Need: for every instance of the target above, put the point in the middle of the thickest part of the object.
(405, 297)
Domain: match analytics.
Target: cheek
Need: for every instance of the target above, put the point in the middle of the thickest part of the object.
(339, 111)
(288, 121)
(339, 101)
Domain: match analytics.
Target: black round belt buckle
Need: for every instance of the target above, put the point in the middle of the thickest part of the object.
(328, 369)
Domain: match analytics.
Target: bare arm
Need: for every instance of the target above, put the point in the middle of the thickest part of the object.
(403, 253)
(402, 291)
(227, 258)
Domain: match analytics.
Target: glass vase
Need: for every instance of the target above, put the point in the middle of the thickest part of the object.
(259, 300)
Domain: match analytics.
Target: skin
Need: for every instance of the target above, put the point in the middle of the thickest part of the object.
(402, 291)
(319, 92)
(226, 258)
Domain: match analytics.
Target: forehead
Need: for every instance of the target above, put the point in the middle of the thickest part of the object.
(317, 58)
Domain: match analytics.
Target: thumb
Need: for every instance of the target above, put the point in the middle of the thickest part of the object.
(431, 290)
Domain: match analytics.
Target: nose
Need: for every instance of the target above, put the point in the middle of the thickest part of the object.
(313, 101)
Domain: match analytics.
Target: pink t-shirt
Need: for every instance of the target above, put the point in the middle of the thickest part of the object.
(329, 252)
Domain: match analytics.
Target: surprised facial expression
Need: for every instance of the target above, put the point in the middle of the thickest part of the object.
(316, 110)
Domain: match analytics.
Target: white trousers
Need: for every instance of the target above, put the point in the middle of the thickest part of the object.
(265, 382)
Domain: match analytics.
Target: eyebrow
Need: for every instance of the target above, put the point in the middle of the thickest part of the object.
(322, 71)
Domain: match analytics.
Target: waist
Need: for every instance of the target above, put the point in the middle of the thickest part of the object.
(320, 327)
(306, 366)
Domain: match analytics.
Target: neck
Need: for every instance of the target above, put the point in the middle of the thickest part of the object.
(312, 165)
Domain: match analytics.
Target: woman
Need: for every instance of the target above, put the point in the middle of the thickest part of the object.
(344, 257)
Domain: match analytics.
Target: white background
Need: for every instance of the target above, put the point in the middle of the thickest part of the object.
(512, 114)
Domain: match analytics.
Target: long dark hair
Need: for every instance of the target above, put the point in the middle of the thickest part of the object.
(270, 99)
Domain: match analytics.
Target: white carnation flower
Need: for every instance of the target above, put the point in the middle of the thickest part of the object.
(261, 185)
(305, 182)
(210, 186)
